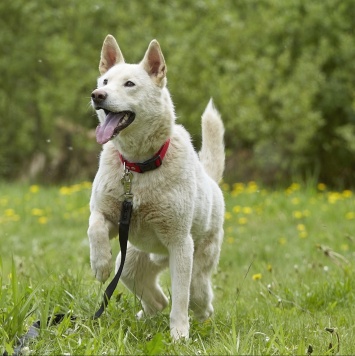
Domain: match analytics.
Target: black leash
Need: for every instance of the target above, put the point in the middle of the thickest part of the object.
(123, 238)
(123, 230)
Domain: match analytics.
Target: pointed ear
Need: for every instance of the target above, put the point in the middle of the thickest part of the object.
(110, 54)
(154, 63)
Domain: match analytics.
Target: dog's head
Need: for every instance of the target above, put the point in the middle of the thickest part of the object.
(128, 94)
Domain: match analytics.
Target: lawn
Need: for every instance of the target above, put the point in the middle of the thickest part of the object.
(285, 283)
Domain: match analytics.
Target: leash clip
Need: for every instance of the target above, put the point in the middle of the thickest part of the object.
(126, 181)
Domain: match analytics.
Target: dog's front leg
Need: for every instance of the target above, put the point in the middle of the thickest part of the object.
(100, 249)
(180, 262)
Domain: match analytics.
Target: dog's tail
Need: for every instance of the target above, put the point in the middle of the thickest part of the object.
(212, 151)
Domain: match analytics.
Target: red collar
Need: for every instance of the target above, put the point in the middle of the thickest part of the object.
(152, 163)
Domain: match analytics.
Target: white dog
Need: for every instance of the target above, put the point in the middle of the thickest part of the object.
(178, 207)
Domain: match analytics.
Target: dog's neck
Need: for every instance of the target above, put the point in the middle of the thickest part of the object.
(153, 163)
(140, 148)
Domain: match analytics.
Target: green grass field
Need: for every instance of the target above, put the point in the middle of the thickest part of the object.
(285, 282)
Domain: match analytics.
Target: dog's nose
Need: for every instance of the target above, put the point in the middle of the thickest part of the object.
(98, 96)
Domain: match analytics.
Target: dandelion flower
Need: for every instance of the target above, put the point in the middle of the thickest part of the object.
(295, 201)
(247, 210)
(236, 209)
(350, 215)
(282, 241)
(301, 227)
(227, 215)
(344, 247)
(252, 187)
(347, 193)
(297, 214)
(37, 212)
(242, 221)
(321, 187)
(9, 212)
(256, 276)
(43, 220)
(303, 234)
(230, 240)
(34, 189)
(64, 190)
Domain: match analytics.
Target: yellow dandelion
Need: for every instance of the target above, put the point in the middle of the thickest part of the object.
(350, 215)
(294, 186)
(4, 201)
(43, 220)
(347, 194)
(64, 190)
(237, 209)
(252, 187)
(88, 185)
(333, 197)
(227, 215)
(269, 267)
(344, 247)
(256, 276)
(75, 188)
(34, 189)
(282, 240)
(303, 234)
(247, 210)
(321, 187)
(225, 187)
(37, 212)
(9, 212)
(295, 201)
(242, 221)
(301, 227)
(237, 188)
(297, 214)
(230, 240)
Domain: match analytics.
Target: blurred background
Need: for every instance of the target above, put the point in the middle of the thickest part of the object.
(281, 72)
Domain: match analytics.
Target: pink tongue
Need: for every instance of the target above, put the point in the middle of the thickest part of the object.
(105, 131)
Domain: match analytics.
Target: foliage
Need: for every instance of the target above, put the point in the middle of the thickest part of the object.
(286, 274)
(280, 72)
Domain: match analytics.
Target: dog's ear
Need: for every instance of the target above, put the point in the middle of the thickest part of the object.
(110, 54)
(154, 63)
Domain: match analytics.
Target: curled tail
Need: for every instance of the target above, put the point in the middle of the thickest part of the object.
(212, 151)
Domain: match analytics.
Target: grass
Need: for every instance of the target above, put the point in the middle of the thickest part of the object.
(285, 283)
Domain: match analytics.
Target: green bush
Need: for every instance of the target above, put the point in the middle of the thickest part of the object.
(280, 72)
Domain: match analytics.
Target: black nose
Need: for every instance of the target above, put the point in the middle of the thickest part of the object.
(98, 96)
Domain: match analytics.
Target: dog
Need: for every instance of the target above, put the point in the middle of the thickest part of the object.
(178, 206)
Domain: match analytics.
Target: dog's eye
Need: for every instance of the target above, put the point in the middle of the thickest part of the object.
(129, 84)
(105, 81)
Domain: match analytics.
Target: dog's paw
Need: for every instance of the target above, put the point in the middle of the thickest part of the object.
(179, 333)
(101, 265)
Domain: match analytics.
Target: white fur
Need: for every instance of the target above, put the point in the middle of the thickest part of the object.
(178, 208)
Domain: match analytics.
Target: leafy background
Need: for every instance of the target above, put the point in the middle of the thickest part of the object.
(280, 72)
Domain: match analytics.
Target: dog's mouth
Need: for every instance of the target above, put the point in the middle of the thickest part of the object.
(115, 122)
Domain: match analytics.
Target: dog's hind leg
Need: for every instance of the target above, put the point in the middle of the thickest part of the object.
(206, 257)
(140, 275)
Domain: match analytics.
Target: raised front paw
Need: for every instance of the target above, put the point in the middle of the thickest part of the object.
(101, 265)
